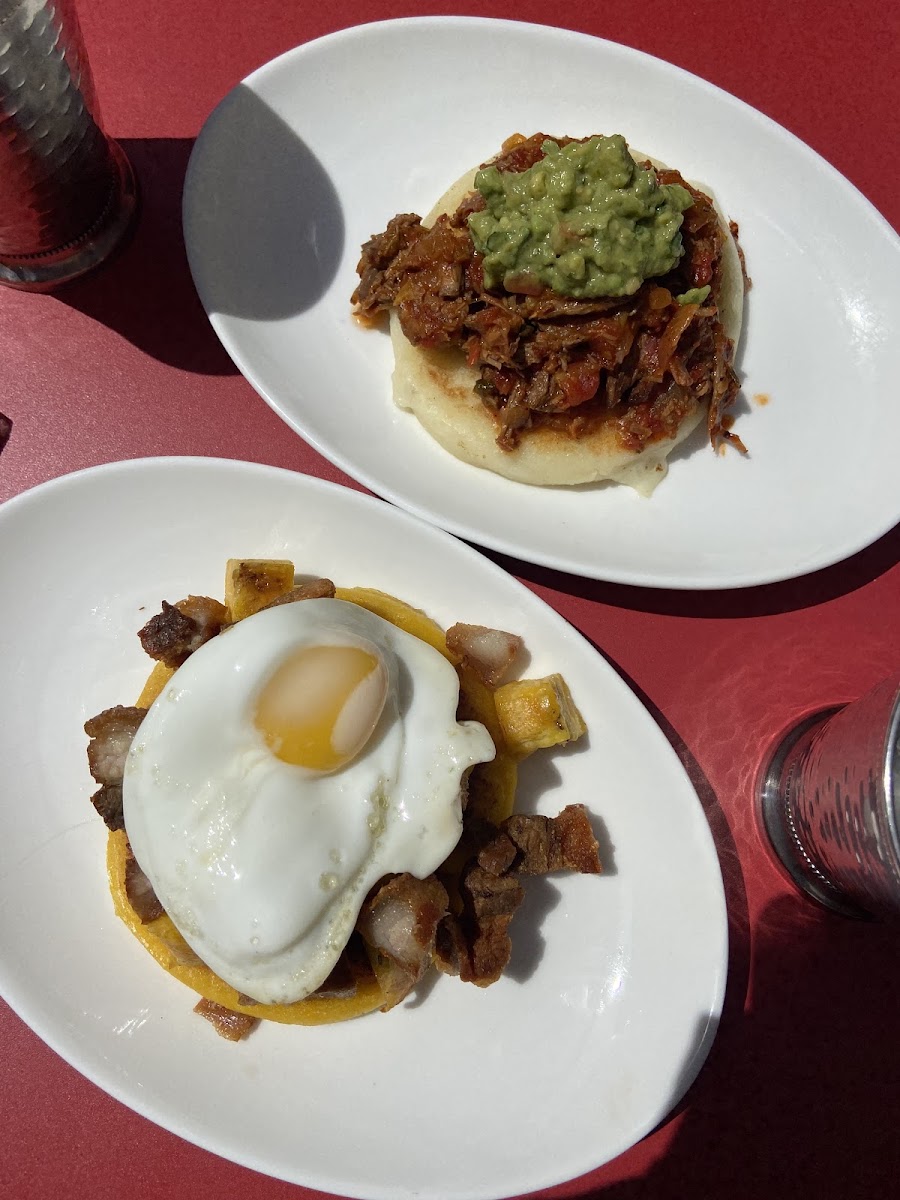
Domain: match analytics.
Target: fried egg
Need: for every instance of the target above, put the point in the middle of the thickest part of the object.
(289, 764)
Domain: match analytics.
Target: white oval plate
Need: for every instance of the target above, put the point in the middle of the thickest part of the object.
(616, 983)
(320, 148)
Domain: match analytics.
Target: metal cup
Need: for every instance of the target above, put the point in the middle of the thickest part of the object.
(67, 192)
(829, 800)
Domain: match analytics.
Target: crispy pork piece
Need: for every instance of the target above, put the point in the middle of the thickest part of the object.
(139, 890)
(489, 904)
(313, 589)
(488, 652)
(232, 1026)
(108, 803)
(180, 629)
(398, 923)
(209, 614)
(349, 971)
(475, 944)
(543, 844)
(111, 733)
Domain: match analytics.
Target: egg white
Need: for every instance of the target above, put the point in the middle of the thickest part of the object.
(262, 865)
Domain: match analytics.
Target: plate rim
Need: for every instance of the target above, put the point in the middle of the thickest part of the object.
(715, 986)
(816, 557)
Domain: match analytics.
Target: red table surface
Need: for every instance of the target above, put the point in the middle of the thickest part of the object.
(800, 1094)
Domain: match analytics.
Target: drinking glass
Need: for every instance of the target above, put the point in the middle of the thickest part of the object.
(67, 192)
(829, 800)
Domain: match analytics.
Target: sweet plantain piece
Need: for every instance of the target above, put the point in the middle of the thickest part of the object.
(252, 583)
(535, 713)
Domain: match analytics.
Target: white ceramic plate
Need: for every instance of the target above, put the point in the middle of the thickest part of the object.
(321, 147)
(616, 983)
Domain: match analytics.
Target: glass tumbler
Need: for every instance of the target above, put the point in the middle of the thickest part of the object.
(829, 801)
(67, 192)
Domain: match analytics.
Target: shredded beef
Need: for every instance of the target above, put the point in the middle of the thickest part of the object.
(180, 629)
(378, 253)
(545, 359)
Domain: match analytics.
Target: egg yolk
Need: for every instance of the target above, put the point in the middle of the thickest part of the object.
(321, 705)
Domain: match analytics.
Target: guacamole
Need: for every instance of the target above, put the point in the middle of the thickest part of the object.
(694, 295)
(585, 221)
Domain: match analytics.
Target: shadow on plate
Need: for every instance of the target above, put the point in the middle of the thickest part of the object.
(266, 228)
(269, 239)
(541, 897)
(539, 773)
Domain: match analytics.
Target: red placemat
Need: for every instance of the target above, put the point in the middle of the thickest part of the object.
(797, 1094)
